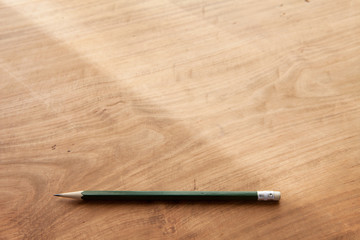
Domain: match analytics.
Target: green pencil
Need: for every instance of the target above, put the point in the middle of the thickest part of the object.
(173, 195)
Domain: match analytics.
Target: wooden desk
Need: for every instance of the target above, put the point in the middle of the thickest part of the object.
(190, 95)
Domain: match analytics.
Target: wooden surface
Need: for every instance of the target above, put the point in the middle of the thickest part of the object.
(189, 95)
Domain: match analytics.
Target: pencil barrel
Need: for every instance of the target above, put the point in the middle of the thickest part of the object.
(169, 196)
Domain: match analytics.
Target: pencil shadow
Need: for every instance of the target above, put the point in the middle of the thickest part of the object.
(198, 203)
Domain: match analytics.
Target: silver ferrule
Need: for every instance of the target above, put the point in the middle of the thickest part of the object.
(268, 195)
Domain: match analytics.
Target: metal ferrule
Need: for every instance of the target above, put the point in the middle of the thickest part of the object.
(268, 195)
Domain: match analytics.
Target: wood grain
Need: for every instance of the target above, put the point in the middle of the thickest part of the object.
(189, 95)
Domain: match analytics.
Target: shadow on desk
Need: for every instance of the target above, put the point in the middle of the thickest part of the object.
(197, 203)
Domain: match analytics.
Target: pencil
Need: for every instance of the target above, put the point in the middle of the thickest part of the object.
(173, 195)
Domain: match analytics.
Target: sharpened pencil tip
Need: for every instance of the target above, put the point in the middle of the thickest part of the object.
(74, 195)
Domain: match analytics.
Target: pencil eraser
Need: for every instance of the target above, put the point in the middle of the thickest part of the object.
(277, 195)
